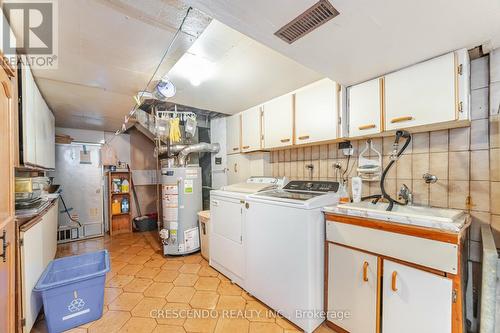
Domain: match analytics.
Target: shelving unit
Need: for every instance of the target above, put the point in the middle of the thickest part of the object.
(121, 222)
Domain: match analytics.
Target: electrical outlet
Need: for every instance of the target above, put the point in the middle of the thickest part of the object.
(346, 148)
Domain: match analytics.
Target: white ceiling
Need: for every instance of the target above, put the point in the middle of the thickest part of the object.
(368, 38)
(108, 50)
(246, 73)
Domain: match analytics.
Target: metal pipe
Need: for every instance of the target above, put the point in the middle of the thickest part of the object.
(197, 148)
(174, 149)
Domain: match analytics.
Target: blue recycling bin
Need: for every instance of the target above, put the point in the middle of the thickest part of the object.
(72, 290)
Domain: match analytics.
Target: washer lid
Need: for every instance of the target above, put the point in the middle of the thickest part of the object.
(248, 187)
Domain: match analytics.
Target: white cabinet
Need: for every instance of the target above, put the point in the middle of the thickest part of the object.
(251, 129)
(365, 108)
(233, 134)
(415, 301)
(352, 286)
(238, 168)
(422, 94)
(278, 122)
(28, 118)
(38, 122)
(316, 112)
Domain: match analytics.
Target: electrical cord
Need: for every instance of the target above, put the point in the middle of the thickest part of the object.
(67, 211)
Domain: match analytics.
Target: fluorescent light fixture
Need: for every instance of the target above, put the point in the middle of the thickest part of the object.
(193, 67)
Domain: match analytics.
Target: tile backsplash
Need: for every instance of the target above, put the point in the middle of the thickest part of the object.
(465, 160)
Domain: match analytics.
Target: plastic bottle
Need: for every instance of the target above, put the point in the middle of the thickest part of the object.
(357, 188)
(125, 187)
(115, 207)
(343, 194)
(125, 205)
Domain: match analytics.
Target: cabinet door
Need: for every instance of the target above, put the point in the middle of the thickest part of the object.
(316, 112)
(422, 94)
(28, 117)
(415, 301)
(251, 129)
(352, 286)
(238, 168)
(51, 140)
(233, 133)
(278, 122)
(7, 242)
(365, 108)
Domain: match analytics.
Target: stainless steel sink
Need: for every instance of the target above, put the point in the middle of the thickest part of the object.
(439, 218)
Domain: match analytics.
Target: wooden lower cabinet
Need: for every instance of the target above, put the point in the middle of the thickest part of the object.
(415, 301)
(353, 282)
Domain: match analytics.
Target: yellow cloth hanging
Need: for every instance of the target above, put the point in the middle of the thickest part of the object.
(175, 131)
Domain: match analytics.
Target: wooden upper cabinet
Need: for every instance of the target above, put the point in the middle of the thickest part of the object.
(422, 94)
(365, 102)
(278, 122)
(316, 112)
(251, 126)
(233, 134)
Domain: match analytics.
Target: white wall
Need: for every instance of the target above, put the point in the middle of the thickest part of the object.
(218, 135)
(120, 143)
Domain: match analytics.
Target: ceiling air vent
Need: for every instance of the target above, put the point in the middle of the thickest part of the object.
(318, 14)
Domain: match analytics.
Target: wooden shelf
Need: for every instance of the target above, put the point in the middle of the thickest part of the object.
(118, 223)
(120, 214)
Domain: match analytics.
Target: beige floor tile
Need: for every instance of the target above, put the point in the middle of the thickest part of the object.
(137, 285)
(111, 321)
(110, 294)
(126, 301)
(119, 281)
(169, 329)
(172, 265)
(228, 288)
(204, 300)
(173, 314)
(148, 272)
(225, 325)
(207, 271)
(193, 259)
(207, 283)
(185, 280)
(256, 327)
(130, 269)
(158, 289)
(231, 303)
(190, 268)
(139, 325)
(223, 278)
(166, 276)
(155, 262)
(140, 259)
(147, 306)
(181, 294)
(287, 325)
(260, 312)
(201, 325)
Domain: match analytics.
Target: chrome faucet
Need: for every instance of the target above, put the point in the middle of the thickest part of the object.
(406, 195)
(429, 179)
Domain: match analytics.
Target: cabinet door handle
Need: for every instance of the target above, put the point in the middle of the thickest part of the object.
(304, 137)
(365, 271)
(393, 285)
(4, 246)
(235, 148)
(285, 140)
(215, 202)
(401, 119)
(245, 147)
(235, 167)
(366, 127)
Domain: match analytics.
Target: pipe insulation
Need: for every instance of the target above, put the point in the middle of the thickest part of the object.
(174, 149)
(197, 148)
